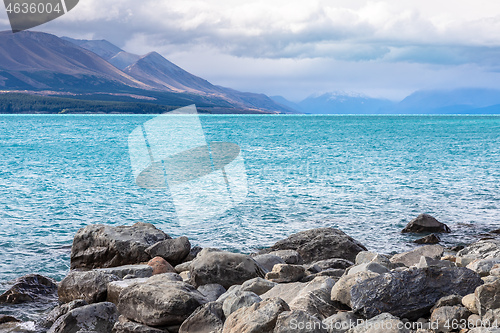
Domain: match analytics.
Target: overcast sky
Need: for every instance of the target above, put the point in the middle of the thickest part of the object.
(295, 48)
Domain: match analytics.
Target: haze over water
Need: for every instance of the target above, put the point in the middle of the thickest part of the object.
(367, 175)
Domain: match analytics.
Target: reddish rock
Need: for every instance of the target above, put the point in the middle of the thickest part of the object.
(160, 266)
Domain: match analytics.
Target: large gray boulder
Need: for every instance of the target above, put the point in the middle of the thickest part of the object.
(341, 291)
(320, 244)
(95, 318)
(412, 257)
(172, 250)
(29, 288)
(224, 268)
(159, 301)
(259, 318)
(482, 249)
(99, 246)
(114, 288)
(238, 300)
(59, 311)
(129, 271)
(411, 293)
(297, 321)
(91, 286)
(257, 285)
(425, 223)
(267, 261)
(486, 297)
(208, 318)
(445, 317)
(124, 325)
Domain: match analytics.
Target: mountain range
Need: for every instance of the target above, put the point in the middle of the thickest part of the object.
(36, 62)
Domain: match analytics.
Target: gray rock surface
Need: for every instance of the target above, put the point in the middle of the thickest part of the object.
(291, 257)
(172, 250)
(159, 301)
(95, 318)
(450, 300)
(284, 273)
(224, 268)
(487, 297)
(334, 263)
(483, 266)
(267, 261)
(257, 285)
(114, 288)
(208, 318)
(100, 246)
(383, 323)
(90, 286)
(341, 291)
(320, 244)
(29, 288)
(212, 291)
(444, 317)
(411, 293)
(482, 249)
(316, 303)
(258, 318)
(137, 271)
(238, 300)
(297, 321)
(368, 267)
(411, 258)
(429, 239)
(469, 301)
(341, 322)
(425, 223)
(123, 325)
(60, 310)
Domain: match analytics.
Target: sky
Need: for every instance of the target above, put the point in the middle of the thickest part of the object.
(296, 48)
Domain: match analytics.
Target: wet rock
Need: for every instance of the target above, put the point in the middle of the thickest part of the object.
(267, 261)
(172, 250)
(116, 287)
(238, 300)
(341, 322)
(411, 293)
(284, 273)
(61, 310)
(483, 249)
(297, 321)
(487, 297)
(291, 257)
(444, 317)
(341, 291)
(211, 291)
(123, 325)
(483, 266)
(137, 271)
(320, 244)
(413, 257)
(425, 223)
(159, 301)
(368, 267)
(95, 318)
(259, 318)
(90, 286)
(208, 318)
(223, 268)
(159, 266)
(29, 288)
(257, 285)
(383, 323)
(469, 301)
(429, 239)
(100, 246)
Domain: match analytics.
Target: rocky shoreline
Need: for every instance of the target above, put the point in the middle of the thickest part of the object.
(138, 279)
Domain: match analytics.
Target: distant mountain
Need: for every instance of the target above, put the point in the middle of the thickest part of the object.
(283, 101)
(343, 103)
(40, 61)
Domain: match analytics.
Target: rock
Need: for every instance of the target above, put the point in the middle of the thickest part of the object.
(469, 301)
(364, 257)
(90, 286)
(333, 273)
(29, 288)
(208, 318)
(224, 268)
(99, 246)
(320, 244)
(95, 318)
(450, 300)
(383, 323)
(137, 271)
(185, 266)
(483, 266)
(257, 285)
(60, 310)
(193, 253)
(474, 320)
(484, 330)
(160, 266)
(491, 317)
(116, 287)
(316, 303)
(123, 325)
(429, 239)
(425, 223)
(8, 319)
(186, 276)
(159, 301)
(483, 249)
(413, 257)
(341, 322)
(172, 250)
(297, 321)
(289, 291)
(368, 267)
(428, 262)
(411, 293)
(341, 291)
(444, 317)
(267, 261)
(238, 300)
(291, 257)
(211, 291)
(284, 273)
(259, 318)
(334, 263)
(487, 297)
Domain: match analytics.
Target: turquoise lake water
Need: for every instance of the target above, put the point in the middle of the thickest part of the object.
(367, 175)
